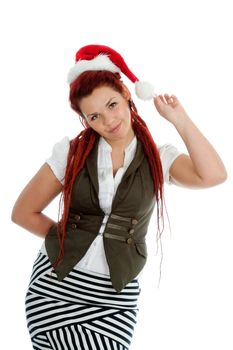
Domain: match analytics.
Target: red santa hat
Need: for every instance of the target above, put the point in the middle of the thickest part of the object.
(99, 57)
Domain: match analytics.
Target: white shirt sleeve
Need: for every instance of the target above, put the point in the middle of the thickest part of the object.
(168, 153)
(58, 160)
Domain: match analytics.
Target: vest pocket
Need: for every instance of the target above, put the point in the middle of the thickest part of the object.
(141, 249)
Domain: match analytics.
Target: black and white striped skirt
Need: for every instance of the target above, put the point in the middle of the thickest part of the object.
(83, 311)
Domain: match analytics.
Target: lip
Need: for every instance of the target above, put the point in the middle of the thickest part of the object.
(116, 128)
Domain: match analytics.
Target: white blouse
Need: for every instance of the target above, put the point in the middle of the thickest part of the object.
(94, 259)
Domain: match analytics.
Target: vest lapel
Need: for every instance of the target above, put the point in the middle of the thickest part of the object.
(91, 164)
(123, 187)
(138, 158)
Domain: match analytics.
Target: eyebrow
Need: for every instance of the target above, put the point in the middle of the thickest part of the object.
(106, 105)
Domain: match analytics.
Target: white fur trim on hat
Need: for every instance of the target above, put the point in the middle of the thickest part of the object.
(144, 90)
(100, 62)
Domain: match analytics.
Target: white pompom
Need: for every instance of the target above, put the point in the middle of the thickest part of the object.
(144, 90)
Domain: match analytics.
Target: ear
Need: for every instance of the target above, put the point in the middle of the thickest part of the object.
(126, 93)
(85, 122)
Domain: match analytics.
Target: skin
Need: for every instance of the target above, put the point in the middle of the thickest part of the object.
(103, 110)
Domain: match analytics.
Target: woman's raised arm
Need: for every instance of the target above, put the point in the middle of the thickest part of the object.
(202, 167)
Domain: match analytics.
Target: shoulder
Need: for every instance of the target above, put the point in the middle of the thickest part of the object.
(61, 148)
(58, 159)
(168, 153)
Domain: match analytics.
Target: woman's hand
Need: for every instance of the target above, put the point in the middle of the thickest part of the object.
(169, 107)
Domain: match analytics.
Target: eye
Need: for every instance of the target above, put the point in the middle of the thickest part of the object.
(112, 105)
(94, 117)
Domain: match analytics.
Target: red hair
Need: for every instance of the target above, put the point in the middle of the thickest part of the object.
(82, 145)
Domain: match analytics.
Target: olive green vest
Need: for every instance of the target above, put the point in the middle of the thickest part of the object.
(125, 230)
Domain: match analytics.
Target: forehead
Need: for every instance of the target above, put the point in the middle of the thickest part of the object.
(98, 99)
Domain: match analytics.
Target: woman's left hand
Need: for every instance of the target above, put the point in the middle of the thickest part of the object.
(169, 107)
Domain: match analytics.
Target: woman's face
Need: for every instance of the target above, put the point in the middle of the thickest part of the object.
(108, 113)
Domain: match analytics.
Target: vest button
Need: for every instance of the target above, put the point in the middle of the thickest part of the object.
(129, 240)
(77, 217)
(134, 221)
(73, 226)
(131, 231)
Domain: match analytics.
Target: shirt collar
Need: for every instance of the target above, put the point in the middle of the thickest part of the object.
(103, 144)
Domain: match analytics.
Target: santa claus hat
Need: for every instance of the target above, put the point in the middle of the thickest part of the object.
(99, 58)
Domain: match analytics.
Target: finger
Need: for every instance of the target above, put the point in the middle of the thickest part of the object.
(169, 99)
(162, 98)
(159, 102)
(174, 97)
(175, 100)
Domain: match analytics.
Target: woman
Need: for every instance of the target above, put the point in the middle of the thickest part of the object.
(84, 286)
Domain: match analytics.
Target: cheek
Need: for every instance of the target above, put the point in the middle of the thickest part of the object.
(96, 128)
(125, 113)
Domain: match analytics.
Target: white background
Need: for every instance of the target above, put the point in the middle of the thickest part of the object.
(183, 47)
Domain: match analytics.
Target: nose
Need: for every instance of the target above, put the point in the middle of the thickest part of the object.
(108, 119)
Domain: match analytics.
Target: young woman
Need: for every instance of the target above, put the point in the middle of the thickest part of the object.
(84, 286)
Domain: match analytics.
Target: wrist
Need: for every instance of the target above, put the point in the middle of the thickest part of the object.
(180, 120)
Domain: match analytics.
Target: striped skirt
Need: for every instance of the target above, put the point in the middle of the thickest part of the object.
(83, 311)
